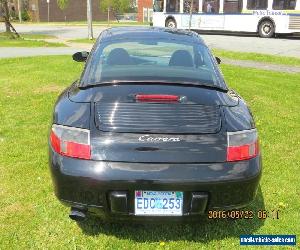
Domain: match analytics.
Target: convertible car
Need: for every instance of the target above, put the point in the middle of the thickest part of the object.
(151, 131)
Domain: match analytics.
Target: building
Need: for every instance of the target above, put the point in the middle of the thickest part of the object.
(145, 10)
(75, 11)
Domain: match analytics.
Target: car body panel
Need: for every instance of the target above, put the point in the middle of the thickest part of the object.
(73, 114)
(88, 183)
(196, 95)
(131, 147)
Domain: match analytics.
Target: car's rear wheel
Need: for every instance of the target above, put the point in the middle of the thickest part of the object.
(170, 23)
(266, 29)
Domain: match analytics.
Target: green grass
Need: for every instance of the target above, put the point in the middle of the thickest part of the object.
(36, 36)
(28, 40)
(292, 61)
(31, 216)
(83, 40)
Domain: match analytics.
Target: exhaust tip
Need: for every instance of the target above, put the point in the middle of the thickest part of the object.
(77, 214)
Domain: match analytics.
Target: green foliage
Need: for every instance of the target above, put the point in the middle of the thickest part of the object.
(117, 6)
(62, 4)
(25, 15)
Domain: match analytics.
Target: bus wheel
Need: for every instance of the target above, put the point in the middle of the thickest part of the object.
(266, 29)
(170, 23)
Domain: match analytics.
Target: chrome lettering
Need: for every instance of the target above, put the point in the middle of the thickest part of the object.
(148, 138)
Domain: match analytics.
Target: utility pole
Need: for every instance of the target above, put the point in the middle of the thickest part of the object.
(191, 13)
(108, 10)
(48, 2)
(20, 10)
(89, 19)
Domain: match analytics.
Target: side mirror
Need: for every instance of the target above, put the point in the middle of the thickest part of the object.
(218, 60)
(80, 56)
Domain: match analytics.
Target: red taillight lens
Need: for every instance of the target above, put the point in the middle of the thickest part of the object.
(157, 98)
(242, 145)
(72, 142)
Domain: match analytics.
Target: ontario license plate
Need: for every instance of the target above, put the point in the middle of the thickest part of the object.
(158, 203)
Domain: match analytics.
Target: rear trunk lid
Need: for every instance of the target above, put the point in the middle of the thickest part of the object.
(157, 118)
(188, 131)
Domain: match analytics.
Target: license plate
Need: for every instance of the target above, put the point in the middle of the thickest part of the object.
(158, 203)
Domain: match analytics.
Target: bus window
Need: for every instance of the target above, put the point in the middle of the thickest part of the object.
(284, 4)
(173, 6)
(187, 5)
(257, 4)
(210, 6)
(233, 6)
(158, 6)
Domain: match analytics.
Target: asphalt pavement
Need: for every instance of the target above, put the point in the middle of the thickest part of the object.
(280, 46)
(65, 32)
(283, 46)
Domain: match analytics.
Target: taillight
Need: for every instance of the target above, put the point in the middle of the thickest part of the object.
(70, 141)
(242, 145)
(156, 98)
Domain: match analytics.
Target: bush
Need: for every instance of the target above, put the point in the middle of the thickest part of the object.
(25, 15)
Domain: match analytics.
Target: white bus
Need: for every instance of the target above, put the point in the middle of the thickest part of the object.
(266, 17)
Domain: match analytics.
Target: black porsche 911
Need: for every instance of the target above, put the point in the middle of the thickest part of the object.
(151, 131)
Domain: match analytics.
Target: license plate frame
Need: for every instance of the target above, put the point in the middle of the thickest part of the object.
(158, 203)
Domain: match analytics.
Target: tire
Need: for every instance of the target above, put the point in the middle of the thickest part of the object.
(266, 29)
(170, 23)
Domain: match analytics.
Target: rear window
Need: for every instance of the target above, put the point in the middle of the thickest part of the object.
(159, 60)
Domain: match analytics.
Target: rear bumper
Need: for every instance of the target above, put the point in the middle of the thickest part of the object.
(91, 185)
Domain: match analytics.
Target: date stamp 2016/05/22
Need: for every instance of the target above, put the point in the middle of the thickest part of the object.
(243, 214)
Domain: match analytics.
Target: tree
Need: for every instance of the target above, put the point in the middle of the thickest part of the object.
(63, 4)
(5, 11)
(116, 6)
(20, 10)
(6, 15)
